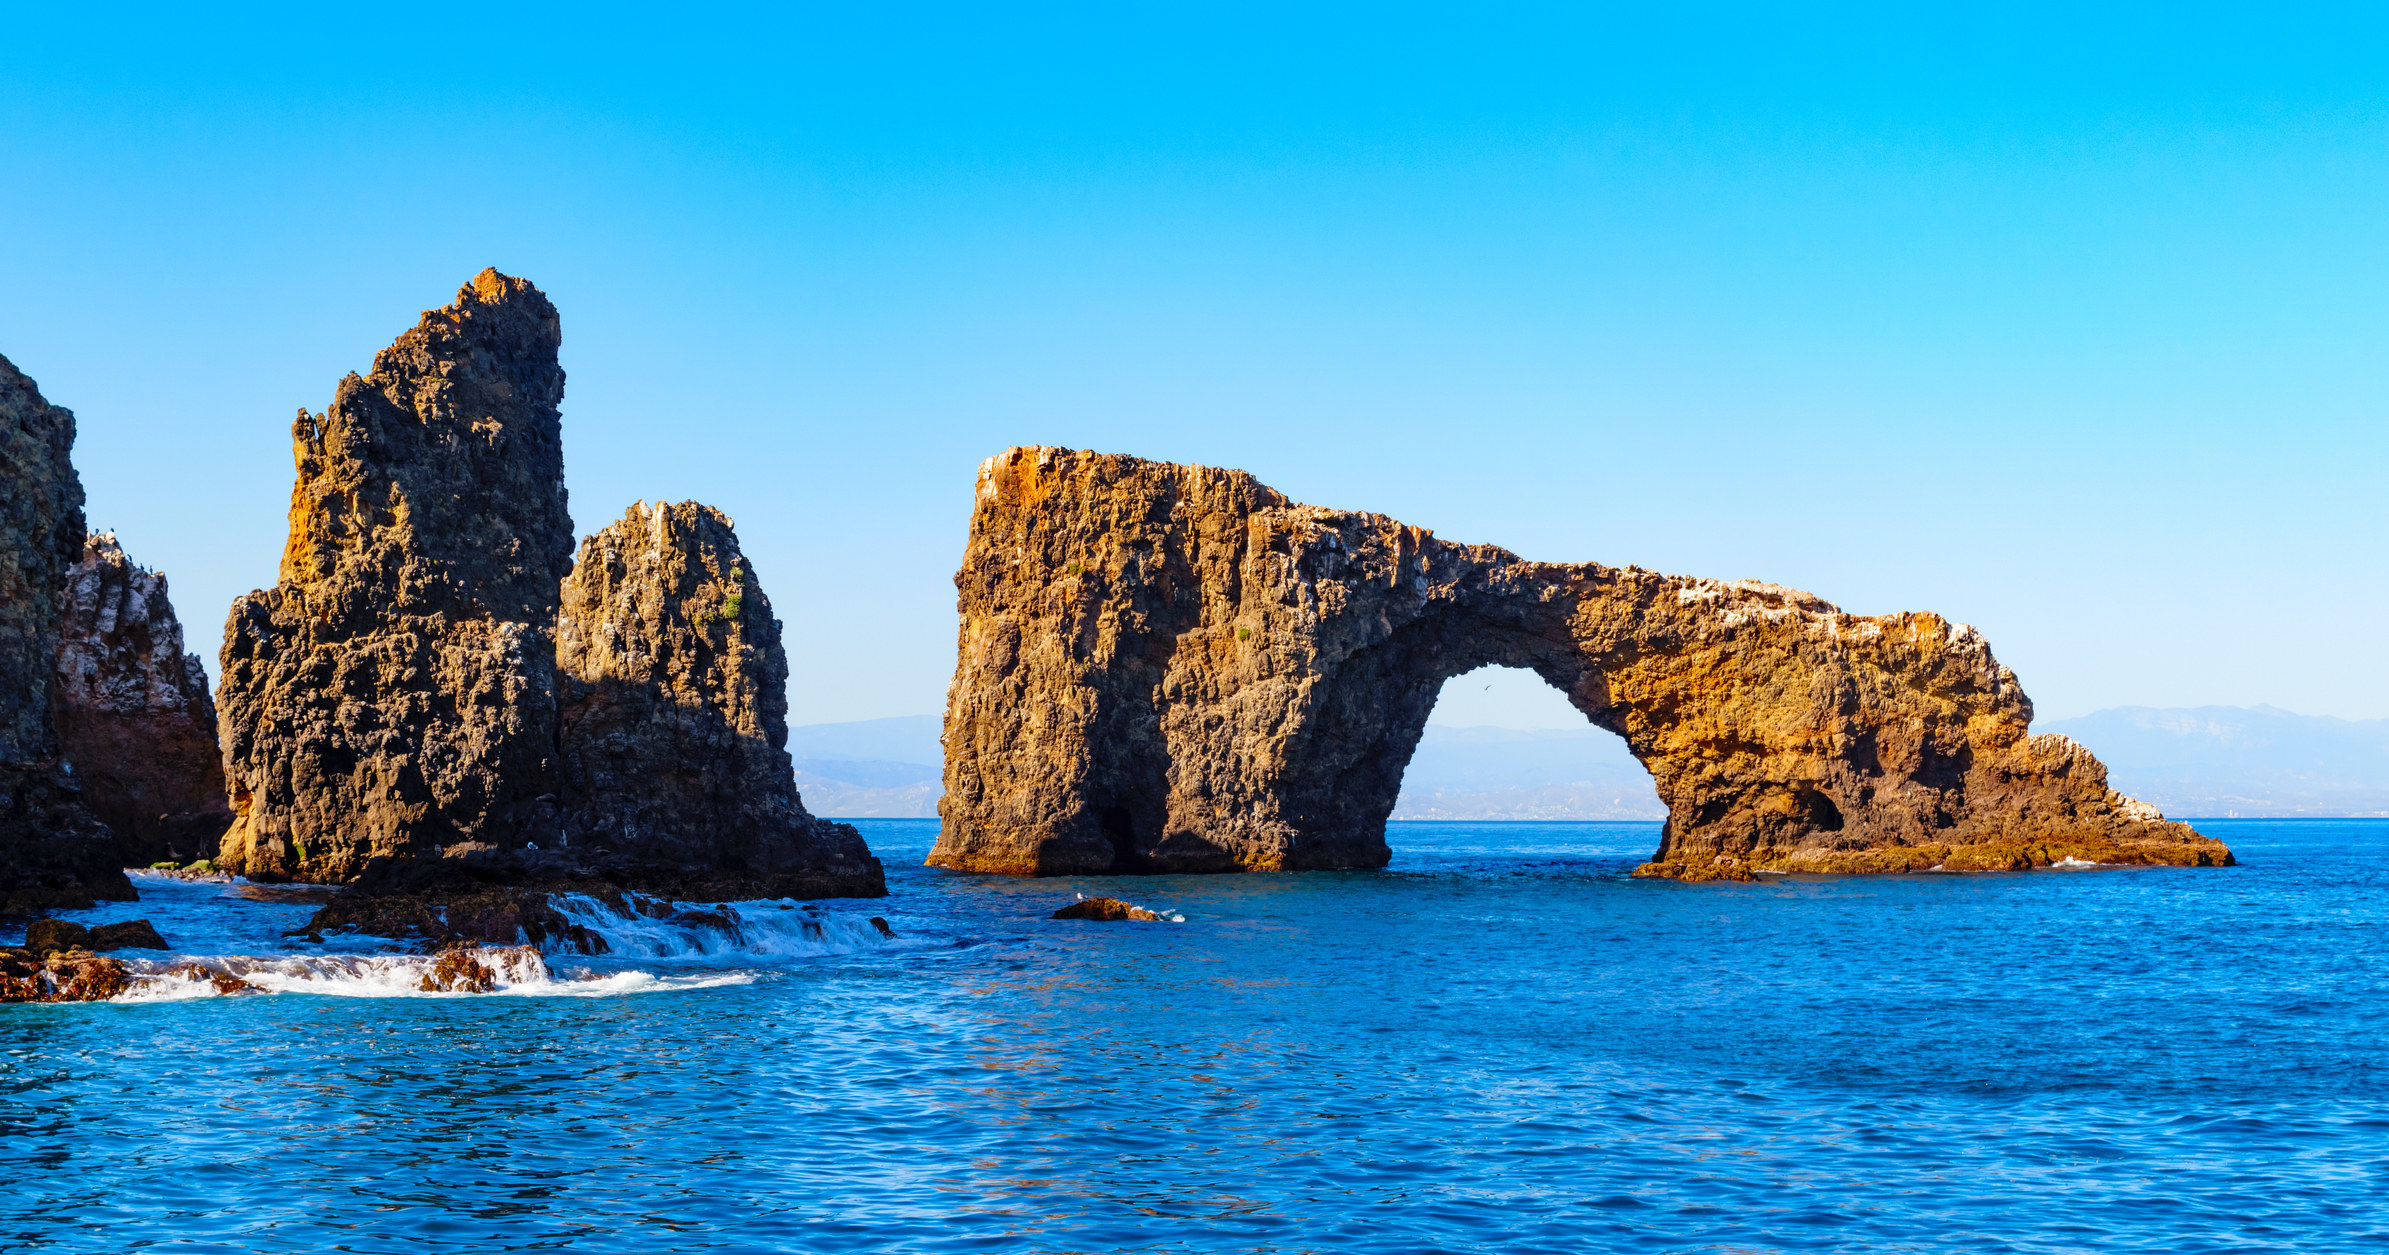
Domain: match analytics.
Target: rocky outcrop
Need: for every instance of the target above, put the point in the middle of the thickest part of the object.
(391, 710)
(66, 976)
(392, 698)
(133, 712)
(47, 936)
(54, 852)
(1174, 668)
(674, 716)
(1109, 910)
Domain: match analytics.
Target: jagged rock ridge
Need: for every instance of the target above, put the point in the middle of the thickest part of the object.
(133, 712)
(390, 709)
(393, 695)
(54, 852)
(674, 712)
(1175, 668)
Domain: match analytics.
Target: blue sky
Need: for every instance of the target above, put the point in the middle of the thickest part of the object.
(2067, 327)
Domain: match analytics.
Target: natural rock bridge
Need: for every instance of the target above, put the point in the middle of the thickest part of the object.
(1175, 669)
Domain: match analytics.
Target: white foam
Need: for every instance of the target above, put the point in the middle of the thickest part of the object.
(515, 971)
(675, 930)
(2071, 862)
(156, 876)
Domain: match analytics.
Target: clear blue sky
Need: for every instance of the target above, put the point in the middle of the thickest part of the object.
(2071, 328)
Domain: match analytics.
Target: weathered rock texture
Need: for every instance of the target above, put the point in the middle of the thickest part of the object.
(394, 718)
(393, 696)
(133, 712)
(54, 852)
(1174, 668)
(674, 713)
(68, 976)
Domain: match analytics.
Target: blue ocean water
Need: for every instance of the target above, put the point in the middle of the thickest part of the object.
(1501, 1043)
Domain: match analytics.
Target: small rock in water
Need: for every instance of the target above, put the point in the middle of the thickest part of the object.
(1104, 909)
(72, 976)
(458, 971)
(225, 982)
(48, 936)
(130, 935)
(882, 926)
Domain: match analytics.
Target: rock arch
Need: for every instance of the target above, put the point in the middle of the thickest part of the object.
(1168, 668)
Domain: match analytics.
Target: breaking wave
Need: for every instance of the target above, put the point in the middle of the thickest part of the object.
(657, 929)
(518, 971)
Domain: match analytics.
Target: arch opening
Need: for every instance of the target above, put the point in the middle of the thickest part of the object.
(1502, 743)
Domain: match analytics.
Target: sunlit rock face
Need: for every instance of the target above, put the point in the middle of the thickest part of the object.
(393, 695)
(1172, 668)
(674, 715)
(54, 852)
(133, 711)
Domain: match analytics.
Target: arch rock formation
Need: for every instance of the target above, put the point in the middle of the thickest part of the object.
(1170, 668)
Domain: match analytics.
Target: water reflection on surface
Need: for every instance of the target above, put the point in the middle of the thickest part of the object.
(1502, 1043)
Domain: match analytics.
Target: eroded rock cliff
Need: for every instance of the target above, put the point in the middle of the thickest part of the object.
(54, 852)
(674, 714)
(391, 708)
(392, 697)
(1175, 668)
(133, 712)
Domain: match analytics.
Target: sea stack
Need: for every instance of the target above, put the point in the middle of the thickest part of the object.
(133, 711)
(1174, 668)
(674, 719)
(392, 699)
(54, 852)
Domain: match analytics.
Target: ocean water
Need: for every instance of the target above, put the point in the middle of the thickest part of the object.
(1500, 1043)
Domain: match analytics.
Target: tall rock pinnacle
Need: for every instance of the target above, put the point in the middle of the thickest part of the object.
(54, 852)
(674, 709)
(393, 695)
(1175, 668)
(133, 711)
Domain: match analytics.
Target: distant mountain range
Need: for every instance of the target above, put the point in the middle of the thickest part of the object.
(2252, 762)
(2211, 761)
(875, 769)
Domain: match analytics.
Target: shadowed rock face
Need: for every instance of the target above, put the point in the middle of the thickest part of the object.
(133, 711)
(394, 694)
(54, 852)
(674, 713)
(1174, 668)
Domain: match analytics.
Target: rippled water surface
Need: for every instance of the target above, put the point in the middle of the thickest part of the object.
(1501, 1043)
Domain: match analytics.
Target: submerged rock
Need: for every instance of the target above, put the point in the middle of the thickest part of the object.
(1111, 909)
(225, 982)
(394, 694)
(673, 725)
(133, 711)
(54, 851)
(1174, 668)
